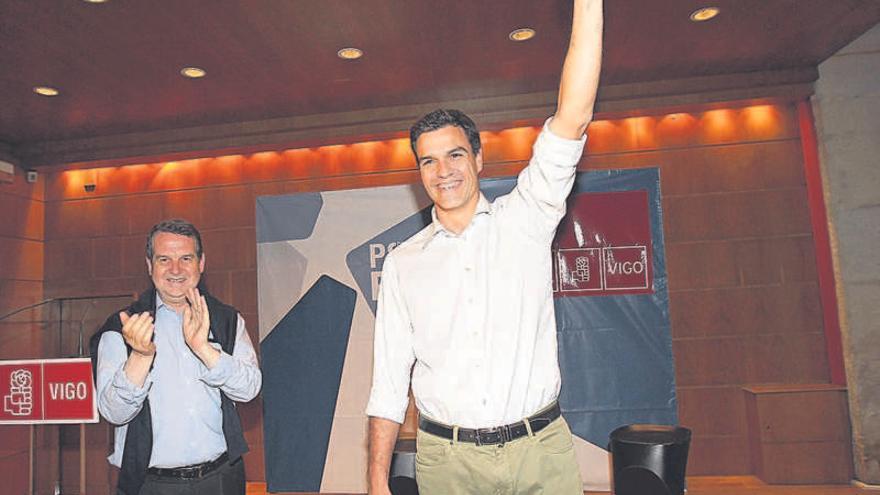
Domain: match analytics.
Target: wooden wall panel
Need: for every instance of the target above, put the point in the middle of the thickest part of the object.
(22, 216)
(23, 340)
(22, 228)
(69, 259)
(15, 439)
(799, 434)
(22, 259)
(747, 310)
(244, 291)
(16, 294)
(717, 216)
(718, 455)
(714, 410)
(134, 254)
(252, 423)
(743, 290)
(106, 257)
(226, 207)
(14, 472)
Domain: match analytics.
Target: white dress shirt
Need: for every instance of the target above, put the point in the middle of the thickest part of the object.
(184, 394)
(472, 314)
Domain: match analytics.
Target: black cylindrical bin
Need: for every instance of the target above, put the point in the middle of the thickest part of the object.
(402, 476)
(649, 459)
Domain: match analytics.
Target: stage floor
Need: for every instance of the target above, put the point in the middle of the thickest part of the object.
(715, 485)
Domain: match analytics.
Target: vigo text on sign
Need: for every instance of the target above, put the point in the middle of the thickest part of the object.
(47, 391)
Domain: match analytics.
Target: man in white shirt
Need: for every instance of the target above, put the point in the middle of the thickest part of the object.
(466, 310)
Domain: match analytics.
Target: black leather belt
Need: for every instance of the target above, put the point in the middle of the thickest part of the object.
(190, 472)
(497, 435)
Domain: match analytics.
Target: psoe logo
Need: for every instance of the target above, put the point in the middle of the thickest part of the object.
(20, 401)
(579, 269)
(366, 260)
(377, 255)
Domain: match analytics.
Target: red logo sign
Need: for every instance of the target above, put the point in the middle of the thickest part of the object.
(47, 391)
(580, 269)
(603, 246)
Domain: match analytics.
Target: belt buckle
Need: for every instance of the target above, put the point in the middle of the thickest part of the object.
(195, 472)
(503, 433)
(190, 473)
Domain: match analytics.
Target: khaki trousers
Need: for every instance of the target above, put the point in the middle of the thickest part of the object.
(543, 463)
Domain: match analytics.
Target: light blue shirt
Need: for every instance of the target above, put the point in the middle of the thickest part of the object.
(184, 394)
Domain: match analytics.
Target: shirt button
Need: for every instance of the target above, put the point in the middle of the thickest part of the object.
(485, 402)
(471, 300)
(467, 268)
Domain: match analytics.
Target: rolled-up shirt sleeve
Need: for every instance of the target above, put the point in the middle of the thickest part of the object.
(119, 400)
(237, 375)
(542, 187)
(393, 354)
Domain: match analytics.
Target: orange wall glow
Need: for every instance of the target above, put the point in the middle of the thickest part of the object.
(506, 147)
(761, 120)
(719, 124)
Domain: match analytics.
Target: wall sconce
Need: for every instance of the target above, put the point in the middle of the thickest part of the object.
(89, 188)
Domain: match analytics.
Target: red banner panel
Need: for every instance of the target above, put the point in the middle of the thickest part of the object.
(47, 391)
(603, 246)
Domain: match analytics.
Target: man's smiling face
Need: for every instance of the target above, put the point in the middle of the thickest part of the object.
(175, 267)
(449, 170)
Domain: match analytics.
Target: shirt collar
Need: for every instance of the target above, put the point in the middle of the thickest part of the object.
(161, 304)
(483, 207)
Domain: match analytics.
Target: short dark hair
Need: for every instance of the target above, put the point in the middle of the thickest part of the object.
(441, 118)
(175, 226)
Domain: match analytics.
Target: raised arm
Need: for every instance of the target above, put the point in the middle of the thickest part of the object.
(580, 72)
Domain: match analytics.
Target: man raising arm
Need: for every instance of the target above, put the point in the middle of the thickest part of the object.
(466, 304)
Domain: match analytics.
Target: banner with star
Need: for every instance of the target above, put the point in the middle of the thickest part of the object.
(319, 264)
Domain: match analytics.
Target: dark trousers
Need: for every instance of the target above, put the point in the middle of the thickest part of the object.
(228, 479)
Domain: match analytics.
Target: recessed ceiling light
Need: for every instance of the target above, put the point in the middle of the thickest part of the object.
(350, 53)
(704, 14)
(46, 91)
(521, 34)
(192, 72)
(95, 1)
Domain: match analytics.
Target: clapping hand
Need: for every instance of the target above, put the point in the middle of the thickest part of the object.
(137, 331)
(196, 324)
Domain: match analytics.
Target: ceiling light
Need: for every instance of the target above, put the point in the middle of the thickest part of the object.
(46, 91)
(521, 34)
(192, 72)
(350, 53)
(95, 1)
(704, 14)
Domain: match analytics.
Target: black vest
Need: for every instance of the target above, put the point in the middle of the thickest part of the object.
(139, 435)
